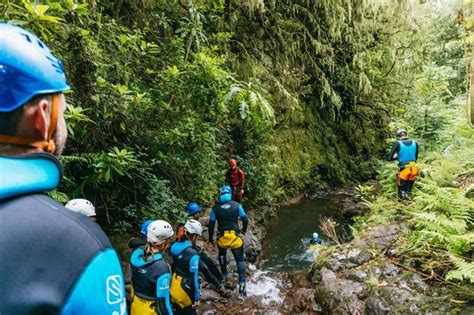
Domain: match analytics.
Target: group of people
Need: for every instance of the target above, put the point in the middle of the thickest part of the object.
(166, 266)
(164, 286)
(56, 261)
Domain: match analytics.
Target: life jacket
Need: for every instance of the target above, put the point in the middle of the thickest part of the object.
(227, 214)
(53, 260)
(145, 273)
(407, 153)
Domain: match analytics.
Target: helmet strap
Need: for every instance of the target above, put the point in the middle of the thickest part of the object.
(47, 145)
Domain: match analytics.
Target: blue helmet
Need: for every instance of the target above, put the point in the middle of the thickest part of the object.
(226, 190)
(192, 208)
(27, 68)
(144, 227)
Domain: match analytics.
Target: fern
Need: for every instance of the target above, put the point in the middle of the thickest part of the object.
(463, 270)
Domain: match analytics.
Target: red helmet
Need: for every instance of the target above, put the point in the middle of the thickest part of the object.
(232, 163)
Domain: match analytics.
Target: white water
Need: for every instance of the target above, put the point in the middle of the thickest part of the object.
(265, 287)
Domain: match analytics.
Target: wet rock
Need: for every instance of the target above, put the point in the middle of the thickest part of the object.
(340, 288)
(351, 207)
(359, 256)
(209, 295)
(303, 301)
(252, 247)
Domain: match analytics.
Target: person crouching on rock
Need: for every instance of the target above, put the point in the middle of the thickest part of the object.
(151, 274)
(227, 213)
(207, 265)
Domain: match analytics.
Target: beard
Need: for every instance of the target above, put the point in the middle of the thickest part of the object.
(60, 137)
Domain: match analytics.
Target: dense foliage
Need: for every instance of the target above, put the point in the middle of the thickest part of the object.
(165, 91)
(440, 238)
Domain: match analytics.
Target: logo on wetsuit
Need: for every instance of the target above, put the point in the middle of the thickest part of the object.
(114, 289)
(165, 285)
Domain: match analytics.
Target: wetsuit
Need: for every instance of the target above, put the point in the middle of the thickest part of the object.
(407, 151)
(235, 178)
(315, 241)
(227, 212)
(151, 284)
(53, 260)
(185, 280)
(208, 266)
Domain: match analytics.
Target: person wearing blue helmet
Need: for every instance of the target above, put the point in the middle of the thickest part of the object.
(138, 241)
(54, 261)
(227, 213)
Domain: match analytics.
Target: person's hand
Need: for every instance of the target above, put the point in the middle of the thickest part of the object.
(196, 304)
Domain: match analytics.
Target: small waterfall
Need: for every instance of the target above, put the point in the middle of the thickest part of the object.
(266, 287)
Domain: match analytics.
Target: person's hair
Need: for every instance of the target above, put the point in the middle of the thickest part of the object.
(9, 120)
(150, 246)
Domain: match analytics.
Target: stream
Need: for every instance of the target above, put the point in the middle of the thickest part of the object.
(271, 284)
(286, 246)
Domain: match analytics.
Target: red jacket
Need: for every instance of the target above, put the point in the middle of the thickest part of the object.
(235, 178)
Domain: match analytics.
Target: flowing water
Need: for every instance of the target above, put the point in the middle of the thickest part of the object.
(270, 287)
(286, 245)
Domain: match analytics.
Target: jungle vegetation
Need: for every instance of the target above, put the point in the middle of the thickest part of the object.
(303, 93)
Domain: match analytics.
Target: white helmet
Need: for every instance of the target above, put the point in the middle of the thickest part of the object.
(193, 227)
(158, 231)
(315, 235)
(82, 206)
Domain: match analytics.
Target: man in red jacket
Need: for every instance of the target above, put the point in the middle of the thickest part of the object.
(235, 178)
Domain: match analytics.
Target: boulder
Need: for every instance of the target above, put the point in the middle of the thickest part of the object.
(303, 301)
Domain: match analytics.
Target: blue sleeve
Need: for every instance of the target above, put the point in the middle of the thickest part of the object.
(212, 216)
(99, 289)
(241, 211)
(163, 291)
(194, 268)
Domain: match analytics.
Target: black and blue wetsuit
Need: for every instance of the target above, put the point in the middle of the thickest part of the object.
(185, 289)
(52, 260)
(151, 284)
(227, 213)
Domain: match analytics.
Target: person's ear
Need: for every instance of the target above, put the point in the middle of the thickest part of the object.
(41, 119)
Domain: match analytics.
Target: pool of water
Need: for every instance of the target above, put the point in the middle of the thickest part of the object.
(286, 245)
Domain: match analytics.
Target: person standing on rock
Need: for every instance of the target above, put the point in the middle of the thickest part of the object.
(209, 268)
(227, 213)
(405, 151)
(185, 263)
(235, 178)
(53, 260)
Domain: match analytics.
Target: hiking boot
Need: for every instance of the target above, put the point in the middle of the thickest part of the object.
(242, 291)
